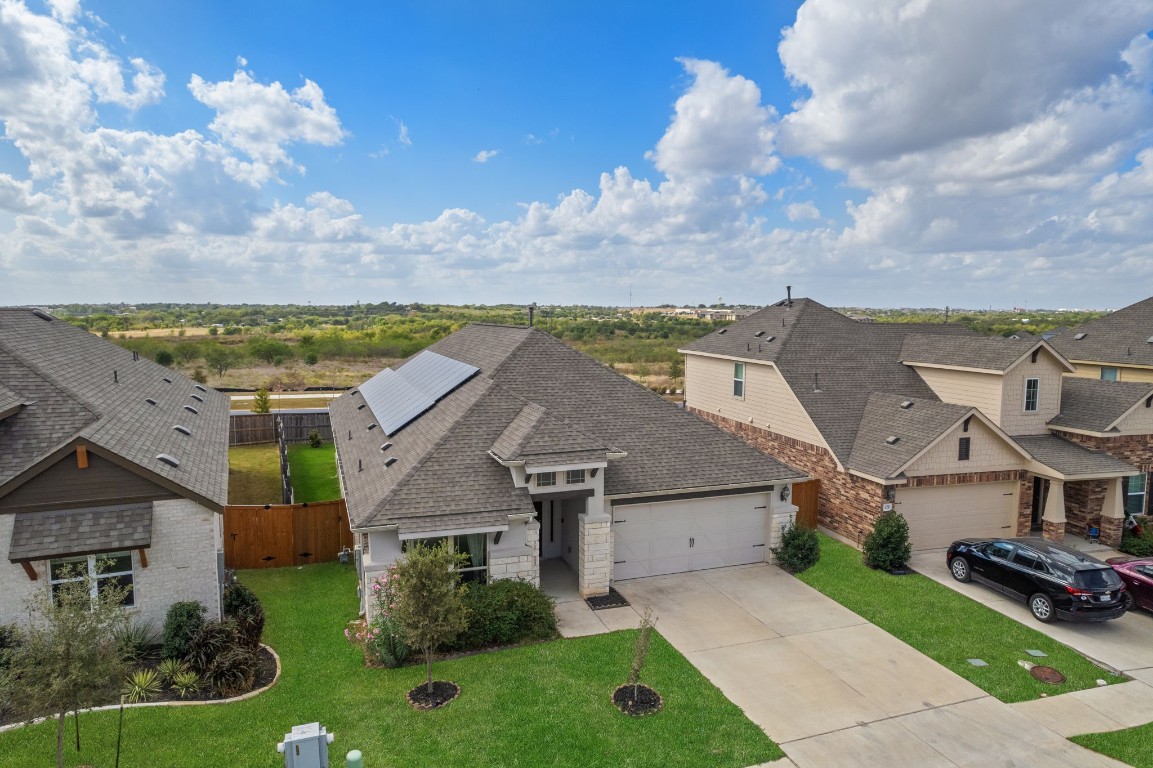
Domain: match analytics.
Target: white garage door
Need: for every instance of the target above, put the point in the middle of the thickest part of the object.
(939, 516)
(675, 536)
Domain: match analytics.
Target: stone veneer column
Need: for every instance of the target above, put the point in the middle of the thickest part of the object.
(1112, 514)
(1053, 521)
(594, 552)
(525, 565)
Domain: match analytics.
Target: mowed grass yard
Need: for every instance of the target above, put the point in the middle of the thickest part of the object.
(538, 705)
(950, 628)
(254, 473)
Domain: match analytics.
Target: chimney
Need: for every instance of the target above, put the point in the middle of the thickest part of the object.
(789, 293)
(531, 312)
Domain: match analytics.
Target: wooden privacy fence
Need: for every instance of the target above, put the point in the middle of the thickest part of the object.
(251, 428)
(277, 535)
(805, 498)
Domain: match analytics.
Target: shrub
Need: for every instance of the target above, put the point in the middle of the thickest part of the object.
(164, 357)
(505, 612)
(185, 683)
(168, 669)
(183, 622)
(1138, 546)
(141, 685)
(9, 638)
(314, 439)
(232, 671)
(799, 549)
(887, 548)
(135, 640)
(385, 643)
(242, 605)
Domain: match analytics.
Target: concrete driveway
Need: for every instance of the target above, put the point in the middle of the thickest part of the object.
(831, 688)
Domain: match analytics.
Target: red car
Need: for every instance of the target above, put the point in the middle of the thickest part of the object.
(1137, 573)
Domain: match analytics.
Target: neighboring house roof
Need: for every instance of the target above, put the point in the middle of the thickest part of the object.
(915, 428)
(1122, 337)
(538, 400)
(77, 387)
(1070, 459)
(986, 353)
(1094, 405)
(833, 364)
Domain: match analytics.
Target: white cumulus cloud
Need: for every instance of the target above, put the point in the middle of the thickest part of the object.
(485, 155)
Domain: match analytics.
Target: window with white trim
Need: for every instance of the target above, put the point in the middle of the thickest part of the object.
(1108, 373)
(106, 569)
(574, 477)
(738, 379)
(1032, 389)
(1136, 490)
(545, 479)
(473, 546)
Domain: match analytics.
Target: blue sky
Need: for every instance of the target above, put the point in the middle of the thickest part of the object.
(868, 152)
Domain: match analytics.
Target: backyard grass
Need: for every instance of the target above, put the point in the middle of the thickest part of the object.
(950, 628)
(254, 474)
(1132, 745)
(539, 705)
(313, 472)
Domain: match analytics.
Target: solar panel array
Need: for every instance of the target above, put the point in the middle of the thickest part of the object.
(397, 397)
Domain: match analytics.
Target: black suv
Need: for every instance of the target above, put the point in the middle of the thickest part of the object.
(1054, 581)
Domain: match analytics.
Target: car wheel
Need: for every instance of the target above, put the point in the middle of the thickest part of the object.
(1041, 606)
(960, 569)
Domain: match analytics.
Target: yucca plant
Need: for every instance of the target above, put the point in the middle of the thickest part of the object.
(141, 685)
(186, 683)
(168, 669)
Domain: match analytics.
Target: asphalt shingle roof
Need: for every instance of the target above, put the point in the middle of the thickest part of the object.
(1121, 337)
(77, 386)
(62, 532)
(990, 353)
(916, 427)
(532, 393)
(1094, 405)
(1071, 459)
(831, 362)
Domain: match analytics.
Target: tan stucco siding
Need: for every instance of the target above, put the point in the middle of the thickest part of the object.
(980, 390)
(1014, 419)
(1138, 422)
(768, 401)
(1124, 373)
(988, 452)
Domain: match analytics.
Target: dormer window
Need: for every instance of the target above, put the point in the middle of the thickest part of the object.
(574, 477)
(1032, 389)
(545, 479)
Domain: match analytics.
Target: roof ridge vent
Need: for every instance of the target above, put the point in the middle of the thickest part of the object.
(906, 404)
(183, 429)
(168, 459)
(892, 439)
(43, 315)
(190, 409)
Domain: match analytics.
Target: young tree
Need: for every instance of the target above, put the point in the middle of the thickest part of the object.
(261, 402)
(220, 359)
(430, 606)
(66, 656)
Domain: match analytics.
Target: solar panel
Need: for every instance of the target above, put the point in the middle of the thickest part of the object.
(397, 397)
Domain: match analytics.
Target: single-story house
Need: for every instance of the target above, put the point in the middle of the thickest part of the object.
(965, 435)
(519, 448)
(110, 463)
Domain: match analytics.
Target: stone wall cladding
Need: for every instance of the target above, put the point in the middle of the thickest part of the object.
(594, 554)
(1053, 531)
(525, 567)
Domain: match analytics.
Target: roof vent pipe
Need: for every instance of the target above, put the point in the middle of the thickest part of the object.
(531, 312)
(816, 382)
(789, 294)
(115, 377)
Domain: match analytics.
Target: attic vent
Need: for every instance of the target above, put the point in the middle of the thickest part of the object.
(906, 405)
(1149, 340)
(190, 409)
(183, 429)
(354, 392)
(759, 334)
(385, 447)
(359, 407)
(372, 426)
(202, 388)
(171, 461)
(150, 401)
(198, 398)
(769, 338)
(721, 332)
(390, 461)
(892, 439)
(1080, 336)
(42, 315)
(167, 380)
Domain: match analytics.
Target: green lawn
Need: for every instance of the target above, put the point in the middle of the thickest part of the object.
(1132, 745)
(948, 627)
(254, 474)
(313, 472)
(540, 705)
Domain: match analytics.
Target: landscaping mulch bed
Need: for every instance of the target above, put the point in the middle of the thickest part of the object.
(613, 599)
(442, 693)
(638, 700)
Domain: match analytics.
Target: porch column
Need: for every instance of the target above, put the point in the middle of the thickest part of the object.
(1053, 521)
(594, 549)
(1112, 514)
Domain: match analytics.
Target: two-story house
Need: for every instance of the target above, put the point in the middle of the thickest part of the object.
(520, 449)
(952, 429)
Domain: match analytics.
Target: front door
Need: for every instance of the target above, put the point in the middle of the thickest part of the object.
(1040, 493)
(551, 529)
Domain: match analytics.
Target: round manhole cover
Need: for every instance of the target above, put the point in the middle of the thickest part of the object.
(1047, 675)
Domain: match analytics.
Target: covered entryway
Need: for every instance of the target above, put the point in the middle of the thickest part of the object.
(938, 516)
(657, 538)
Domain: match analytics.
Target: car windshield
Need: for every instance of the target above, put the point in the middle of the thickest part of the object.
(1098, 578)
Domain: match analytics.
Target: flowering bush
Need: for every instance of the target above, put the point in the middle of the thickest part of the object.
(381, 639)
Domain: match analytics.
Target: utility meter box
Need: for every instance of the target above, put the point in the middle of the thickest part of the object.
(306, 746)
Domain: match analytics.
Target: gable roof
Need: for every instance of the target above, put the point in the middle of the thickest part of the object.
(987, 353)
(77, 387)
(1121, 337)
(1094, 405)
(534, 398)
(831, 362)
(1071, 459)
(916, 428)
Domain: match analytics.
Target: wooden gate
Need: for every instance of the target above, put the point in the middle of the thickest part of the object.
(805, 498)
(277, 535)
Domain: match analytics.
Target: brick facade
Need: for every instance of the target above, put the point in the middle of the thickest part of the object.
(1083, 504)
(1132, 449)
(1025, 505)
(1053, 531)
